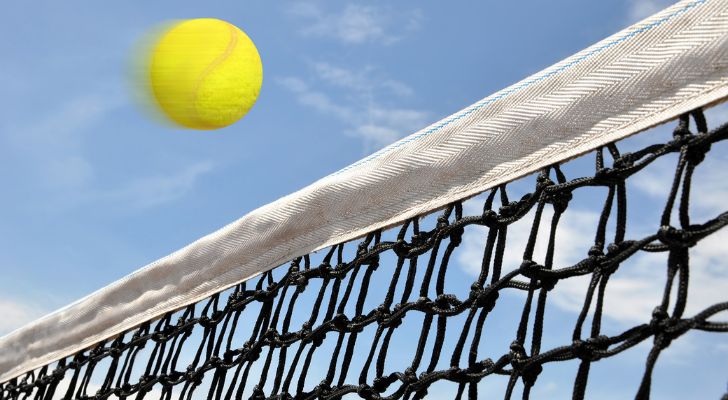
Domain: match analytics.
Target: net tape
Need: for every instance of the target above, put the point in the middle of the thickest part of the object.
(282, 353)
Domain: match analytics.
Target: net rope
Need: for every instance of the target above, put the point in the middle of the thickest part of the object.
(275, 359)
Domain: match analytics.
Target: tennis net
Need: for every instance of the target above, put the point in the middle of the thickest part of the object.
(490, 254)
(243, 343)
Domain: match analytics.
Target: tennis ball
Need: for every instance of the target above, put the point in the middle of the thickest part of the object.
(204, 73)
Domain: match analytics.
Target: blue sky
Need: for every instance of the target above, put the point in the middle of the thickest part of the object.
(94, 188)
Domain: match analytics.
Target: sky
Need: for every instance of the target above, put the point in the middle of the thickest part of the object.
(95, 187)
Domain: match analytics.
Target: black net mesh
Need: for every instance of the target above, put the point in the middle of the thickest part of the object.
(387, 317)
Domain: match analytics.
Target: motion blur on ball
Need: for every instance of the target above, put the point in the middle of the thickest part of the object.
(203, 73)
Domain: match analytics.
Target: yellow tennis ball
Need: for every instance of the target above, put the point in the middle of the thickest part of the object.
(205, 73)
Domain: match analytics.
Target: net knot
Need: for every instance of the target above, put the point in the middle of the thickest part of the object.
(115, 351)
(421, 394)
(214, 361)
(264, 296)
(530, 269)
(362, 248)
(442, 222)
(626, 160)
(233, 300)
(531, 373)
(481, 366)
(518, 362)
(517, 355)
(395, 322)
(172, 377)
(305, 331)
(696, 153)
(383, 313)
(401, 248)
(489, 218)
(205, 322)
(324, 270)
(614, 248)
(317, 337)
(661, 325)
(299, 280)
(543, 181)
(660, 320)
(382, 383)
(372, 260)
(560, 201)
(357, 324)
(548, 283)
(97, 351)
(295, 266)
(272, 335)
(251, 351)
(340, 322)
(681, 131)
(366, 392)
(418, 239)
(146, 379)
(193, 376)
(596, 251)
(456, 236)
(673, 237)
(486, 298)
(423, 303)
(509, 210)
(587, 350)
(445, 301)
(322, 389)
(218, 316)
(409, 376)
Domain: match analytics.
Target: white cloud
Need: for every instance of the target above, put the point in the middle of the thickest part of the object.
(342, 77)
(709, 190)
(16, 314)
(632, 292)
(319, 101)
(385, 126)
(52, 143)
(155, 190)
(354, 99)
(356, 24)
(574, 237)
(53, 147)
(640, 9)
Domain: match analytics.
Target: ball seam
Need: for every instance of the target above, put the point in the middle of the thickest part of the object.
(217, 61)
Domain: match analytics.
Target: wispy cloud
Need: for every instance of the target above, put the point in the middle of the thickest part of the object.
(354, 97)
(639, 9)
(150, 191)
(355, 24)
(317, 100)
(53, 146)
(16, 314)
